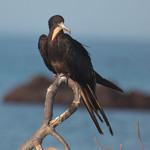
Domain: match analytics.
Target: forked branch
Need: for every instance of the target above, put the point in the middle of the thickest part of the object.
(49, 125)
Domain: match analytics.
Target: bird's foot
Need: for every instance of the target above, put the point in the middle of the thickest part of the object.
(62, 75)
(65, 75)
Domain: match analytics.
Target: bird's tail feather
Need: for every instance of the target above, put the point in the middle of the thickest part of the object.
(102, 81)
(93, 106)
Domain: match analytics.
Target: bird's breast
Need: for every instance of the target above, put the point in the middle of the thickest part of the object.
(60, 67)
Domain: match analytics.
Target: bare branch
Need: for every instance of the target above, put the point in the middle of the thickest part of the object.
(38, 147)
(120, 146)
(73, 107)
(101, 145)
(139, 135)
(48, 126)
(51, 148)
(50, 95)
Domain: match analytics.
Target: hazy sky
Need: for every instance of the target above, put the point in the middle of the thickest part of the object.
(104, 18)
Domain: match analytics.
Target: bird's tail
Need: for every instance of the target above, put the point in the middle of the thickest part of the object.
(102, 81)
(93, 106)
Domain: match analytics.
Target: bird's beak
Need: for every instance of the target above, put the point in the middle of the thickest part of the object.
(55, 32)
(61, 25)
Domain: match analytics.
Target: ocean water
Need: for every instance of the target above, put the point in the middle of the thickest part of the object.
(19, 122)
(125, 63)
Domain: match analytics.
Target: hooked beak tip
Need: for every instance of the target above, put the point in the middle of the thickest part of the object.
(69, 32)
(64, 27)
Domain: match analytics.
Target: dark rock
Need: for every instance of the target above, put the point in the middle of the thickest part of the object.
(34, 91)
(30, 92)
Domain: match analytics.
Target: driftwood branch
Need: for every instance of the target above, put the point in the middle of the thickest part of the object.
(49, 125)
(120, 146)
(101, 145)
(138, 130)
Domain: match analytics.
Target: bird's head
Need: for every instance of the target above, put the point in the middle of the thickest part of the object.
(56, 24)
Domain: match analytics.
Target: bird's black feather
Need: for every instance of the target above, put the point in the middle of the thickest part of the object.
(105, 82)
(63, 54)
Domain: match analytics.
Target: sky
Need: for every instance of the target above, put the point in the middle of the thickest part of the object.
(99, 18)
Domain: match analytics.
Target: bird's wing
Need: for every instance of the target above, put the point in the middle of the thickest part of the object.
(42, 45)
(100, 80)
(105, 82)
(80, 62)
(43, 48)
(82, 49)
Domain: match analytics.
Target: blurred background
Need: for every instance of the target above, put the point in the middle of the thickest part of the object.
(117, 35)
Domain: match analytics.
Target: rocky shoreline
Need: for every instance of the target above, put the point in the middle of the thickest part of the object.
(34, 90)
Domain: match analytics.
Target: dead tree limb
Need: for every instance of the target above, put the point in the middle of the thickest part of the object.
(120, 146)
(138, 130)
(49, 125)
(101, 145)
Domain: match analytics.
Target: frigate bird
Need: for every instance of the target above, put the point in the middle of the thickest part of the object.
(63, 54)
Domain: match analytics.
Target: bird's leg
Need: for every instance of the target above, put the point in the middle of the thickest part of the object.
(60, 75)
